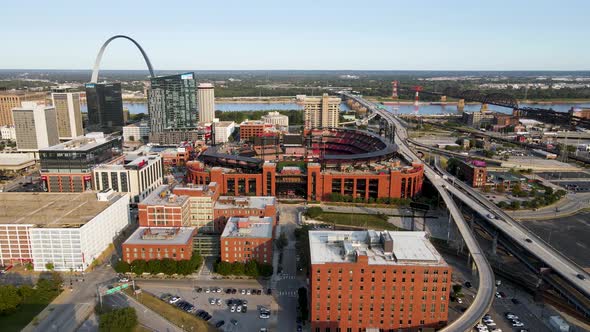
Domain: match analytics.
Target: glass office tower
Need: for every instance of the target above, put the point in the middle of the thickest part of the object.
(105, 107)
(172, 103)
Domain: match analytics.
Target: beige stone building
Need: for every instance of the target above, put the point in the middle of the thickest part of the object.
(69, 116)
(321, 112)
(35, 126)
(13, 99)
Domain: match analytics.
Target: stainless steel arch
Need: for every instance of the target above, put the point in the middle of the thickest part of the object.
(96, 68)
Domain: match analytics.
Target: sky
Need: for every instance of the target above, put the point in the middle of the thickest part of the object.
(324, 35)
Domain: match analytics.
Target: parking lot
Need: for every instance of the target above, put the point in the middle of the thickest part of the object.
(240, 309)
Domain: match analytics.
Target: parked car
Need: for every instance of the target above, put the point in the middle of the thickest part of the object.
(467, 284)
(219, 324)
(174, 299)
(234, 322)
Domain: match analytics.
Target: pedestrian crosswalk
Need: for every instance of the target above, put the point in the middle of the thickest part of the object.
(285, 277)
(289, 293)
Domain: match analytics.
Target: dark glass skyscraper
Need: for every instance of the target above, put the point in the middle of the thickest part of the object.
(105, 106)
(172, 103)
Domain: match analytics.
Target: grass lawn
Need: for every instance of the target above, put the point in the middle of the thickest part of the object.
(371, 221)
(171, 313)
(21, 318)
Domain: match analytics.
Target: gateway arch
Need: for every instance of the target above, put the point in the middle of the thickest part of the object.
(96, 68)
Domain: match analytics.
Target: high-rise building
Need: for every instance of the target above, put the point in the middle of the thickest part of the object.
(35, 126)
(69, 116)
(321, 112)
(105, 107)
(13, 99)
(172, 103)
(377, 281)
(206, 100)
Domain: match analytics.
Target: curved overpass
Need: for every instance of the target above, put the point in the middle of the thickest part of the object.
(486, 289)
(96, 67)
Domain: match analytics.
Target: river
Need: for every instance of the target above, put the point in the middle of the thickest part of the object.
(425, 109)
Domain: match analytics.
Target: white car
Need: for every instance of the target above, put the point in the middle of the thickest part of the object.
(232, 309)
(491, 324)
(218, 301)
(248, 292)
(498, 295)
(243, 291)
(459, 300)
(207, 290)
(239, 308)
(174, 299)
(264, 315)
(211, 301)
(517, 324)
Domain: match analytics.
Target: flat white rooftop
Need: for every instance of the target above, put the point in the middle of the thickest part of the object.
(244, 202)
(161, 236)
(381, 247)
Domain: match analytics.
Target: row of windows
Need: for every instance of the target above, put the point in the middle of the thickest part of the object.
(384, 271)
(382, 309)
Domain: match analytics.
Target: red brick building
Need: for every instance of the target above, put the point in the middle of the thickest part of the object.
(315, 183)
(376, 280)
(162, 208)
(243, 207)
(246, 239)
(149, 243)
(475, 173)
(255, 128)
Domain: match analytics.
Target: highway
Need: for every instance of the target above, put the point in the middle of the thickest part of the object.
(486, 288)
(519, 234)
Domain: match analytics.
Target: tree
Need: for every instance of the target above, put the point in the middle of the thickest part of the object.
(122, 267)
(9, 299)
(168, 266)
(154, 266)
(265, 270)
(303, 306)
(282, 241)
(196, 260)
(139, 266)
(49, 266)
(184, 267)
(237, 268)
(118, 320)
(251, 269)
(515, 205)
(223, 268)
(548, 191)
(314, 212)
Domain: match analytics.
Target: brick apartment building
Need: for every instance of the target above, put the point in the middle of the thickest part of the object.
(247, 206)
(162, 208)
(382, 281)
(249, 129)
(149, 243)
(202, 198)
(475, 172)
(245, 239)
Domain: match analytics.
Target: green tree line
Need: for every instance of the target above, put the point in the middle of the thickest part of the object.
(167, 266)
(251, 269)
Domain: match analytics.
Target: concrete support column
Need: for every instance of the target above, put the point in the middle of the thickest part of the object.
(495, 244)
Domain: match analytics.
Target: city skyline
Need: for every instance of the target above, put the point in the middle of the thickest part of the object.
(329, 36)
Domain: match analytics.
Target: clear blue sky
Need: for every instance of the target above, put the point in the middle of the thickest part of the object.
(227, 34)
